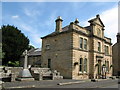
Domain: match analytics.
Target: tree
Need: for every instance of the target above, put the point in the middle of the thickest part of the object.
(14, 44)
(31, 47)
(1, 53)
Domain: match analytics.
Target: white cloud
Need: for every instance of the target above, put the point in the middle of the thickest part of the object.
(30, 31)
(110, 20)
(51, 19)
(32, 12)
(15, 16)
(34, 35)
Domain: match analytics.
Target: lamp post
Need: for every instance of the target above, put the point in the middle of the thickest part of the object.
(104, 72)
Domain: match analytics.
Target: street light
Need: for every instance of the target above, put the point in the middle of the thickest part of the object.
(104, 72)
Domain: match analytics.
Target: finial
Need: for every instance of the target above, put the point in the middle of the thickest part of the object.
(97, 16)
(76, 21)
(59, 18)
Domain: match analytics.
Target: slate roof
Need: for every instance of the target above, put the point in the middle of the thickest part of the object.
(34, 52)
(66, 29)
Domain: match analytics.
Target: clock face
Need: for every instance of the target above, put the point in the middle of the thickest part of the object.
(98, 31)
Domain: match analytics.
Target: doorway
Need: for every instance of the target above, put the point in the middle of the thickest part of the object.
(99, 69)
(49, 63)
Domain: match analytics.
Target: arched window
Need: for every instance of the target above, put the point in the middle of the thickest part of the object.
(81, 65)
(85, 65)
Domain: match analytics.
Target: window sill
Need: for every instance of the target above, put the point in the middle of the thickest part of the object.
(82, 73)
(86, 50)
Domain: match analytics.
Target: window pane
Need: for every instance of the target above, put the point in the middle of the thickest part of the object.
(85, 65)
(81, 42)
(99, 46)
(47, 46)
(107, 50)
(104, 48)
(49, 63)
(81, 61)
(85, 44)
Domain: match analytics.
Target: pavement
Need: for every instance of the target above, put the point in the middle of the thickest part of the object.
(41, 84)
(45, 83)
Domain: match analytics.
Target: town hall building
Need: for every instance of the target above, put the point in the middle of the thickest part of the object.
(78, 52)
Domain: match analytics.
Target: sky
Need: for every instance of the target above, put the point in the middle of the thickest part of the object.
(37, 19)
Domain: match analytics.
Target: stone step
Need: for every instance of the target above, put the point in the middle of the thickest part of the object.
(38, 70)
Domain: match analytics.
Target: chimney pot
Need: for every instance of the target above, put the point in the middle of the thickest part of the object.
(59, 24)
(59, 17)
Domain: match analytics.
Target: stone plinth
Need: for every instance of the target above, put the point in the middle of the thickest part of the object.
(25, 73)
(25, 79)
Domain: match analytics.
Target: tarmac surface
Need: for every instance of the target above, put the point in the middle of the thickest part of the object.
(32, 84)
(65, 83)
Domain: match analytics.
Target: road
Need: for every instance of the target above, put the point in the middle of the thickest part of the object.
(99, 84)
(54, 84)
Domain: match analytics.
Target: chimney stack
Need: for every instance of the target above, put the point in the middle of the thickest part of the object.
(118, 37)
(59, 24)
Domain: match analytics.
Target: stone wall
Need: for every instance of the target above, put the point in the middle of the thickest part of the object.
(9, 73)
(59, 53)
(77, 54)
(90, 54)
(118, 53)
(115, 59)
(32, 60)
(75, 68)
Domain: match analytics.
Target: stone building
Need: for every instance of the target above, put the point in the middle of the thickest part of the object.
(116, 57)
(34, 58)
(78, 52)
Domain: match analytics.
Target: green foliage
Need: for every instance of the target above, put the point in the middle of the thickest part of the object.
(0, 50)
(111, 66)
(14, 43)
(13, 64)
(96, 65)
(1, 53)
(103, 65)
(31, 47)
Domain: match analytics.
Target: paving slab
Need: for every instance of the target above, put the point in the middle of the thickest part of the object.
(46, 83)
(42, 83)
